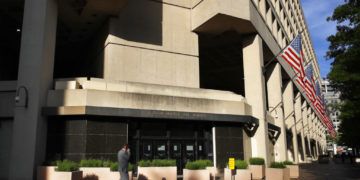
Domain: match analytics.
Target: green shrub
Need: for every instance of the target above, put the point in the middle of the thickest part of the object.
(67, 165)
(241, 164)
(144, 163)
(91, 163)
(288, 163)
(106, 163)
(196, 165)
(208, 163)
(257, 161)
(130, 167)
(278, 165)
(157, 163)
(114, 166)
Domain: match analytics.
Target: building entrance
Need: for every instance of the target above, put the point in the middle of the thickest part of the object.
(173, 140)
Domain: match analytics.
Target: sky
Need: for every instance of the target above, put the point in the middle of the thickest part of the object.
(316, 12)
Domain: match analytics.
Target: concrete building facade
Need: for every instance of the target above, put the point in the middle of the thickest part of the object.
(184, 79)
(332, 98)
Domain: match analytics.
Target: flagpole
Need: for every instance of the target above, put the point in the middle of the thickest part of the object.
(268, 63)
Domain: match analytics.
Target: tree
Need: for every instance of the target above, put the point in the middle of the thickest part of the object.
(344, 49)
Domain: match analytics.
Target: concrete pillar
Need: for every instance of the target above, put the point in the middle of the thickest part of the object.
(317, 149)
(299, 123)
(308, 115)
(255, 92)
(317, 138)
(274, 86)
(288, 98)
(36, 74)
(304, 132)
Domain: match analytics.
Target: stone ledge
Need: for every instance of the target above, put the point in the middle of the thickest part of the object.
(143, 113)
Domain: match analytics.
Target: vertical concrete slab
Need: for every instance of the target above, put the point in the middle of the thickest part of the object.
(247, 146)
(36, 74)
(303, 130)
(309, 115)
(289, 112)
(299, 123)
(317, 140)
(255, 92)
(274, 86)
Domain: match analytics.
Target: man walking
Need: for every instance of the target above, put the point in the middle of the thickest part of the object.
(123, 161)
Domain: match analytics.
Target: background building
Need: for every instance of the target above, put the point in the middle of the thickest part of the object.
(332, 98)
(176, 79)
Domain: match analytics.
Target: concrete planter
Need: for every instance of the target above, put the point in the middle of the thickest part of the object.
(241, 174)
(45, 172)
(98, 173)
(49, 173)
(294, 171)
(257, 171)
(277, 174)
(213, 172)
(116, 175)
(202, 174)
(155, 173)
(101, 173)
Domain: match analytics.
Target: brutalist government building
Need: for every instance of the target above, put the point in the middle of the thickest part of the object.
(180, 79)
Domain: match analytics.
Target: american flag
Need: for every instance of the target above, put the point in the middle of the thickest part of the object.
(309, 83)
(293, 55)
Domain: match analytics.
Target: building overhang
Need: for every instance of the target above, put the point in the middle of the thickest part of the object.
(98, 97)
(217, 16)
(148, 114)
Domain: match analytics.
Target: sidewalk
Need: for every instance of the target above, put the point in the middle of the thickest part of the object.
(331, 171)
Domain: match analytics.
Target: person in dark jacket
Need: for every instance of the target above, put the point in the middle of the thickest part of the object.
(123, 161)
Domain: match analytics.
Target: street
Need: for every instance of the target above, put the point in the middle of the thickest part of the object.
(331, 171)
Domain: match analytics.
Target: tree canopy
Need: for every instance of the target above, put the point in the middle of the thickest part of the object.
(344, 50)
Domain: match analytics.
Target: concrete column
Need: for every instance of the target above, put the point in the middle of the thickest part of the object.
(310, 131)
(255, 92)
(299, 122)
(317, 138)
(317, 149)
(304, 132)
(288, 98)
(274, 86)
(36, 74)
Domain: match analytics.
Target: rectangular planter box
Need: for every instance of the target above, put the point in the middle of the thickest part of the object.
(155, 173)
(241, 174)
(101, 173)
(49, 173)
(257, 171)
(213, 172)
(203, 174)
(277, 174)
(294, 171)
(45, 172)
(116, 175)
